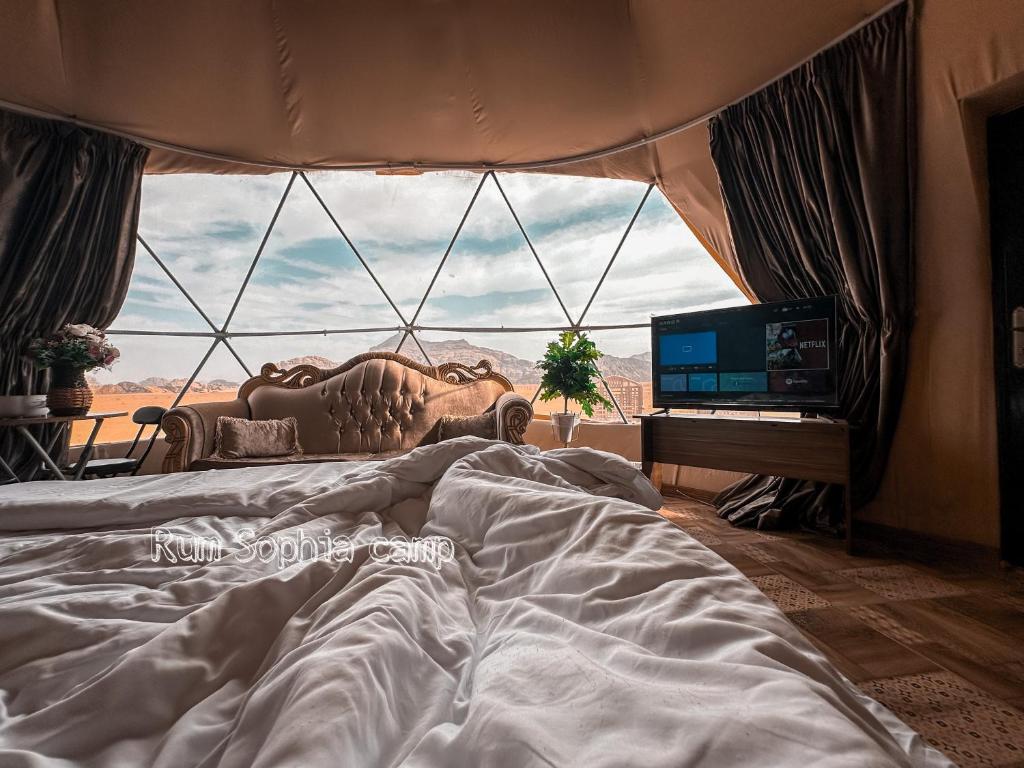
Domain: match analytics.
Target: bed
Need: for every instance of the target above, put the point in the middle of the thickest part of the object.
(474, 603)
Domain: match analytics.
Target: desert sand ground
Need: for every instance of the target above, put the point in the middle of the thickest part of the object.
(117, 430)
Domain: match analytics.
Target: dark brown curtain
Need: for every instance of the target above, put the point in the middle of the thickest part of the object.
(69, 210)
(816, 176)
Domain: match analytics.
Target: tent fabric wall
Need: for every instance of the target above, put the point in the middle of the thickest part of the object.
(942, 476)
(503, 82)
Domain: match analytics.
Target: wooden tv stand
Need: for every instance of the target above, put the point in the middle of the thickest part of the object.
(805, 449)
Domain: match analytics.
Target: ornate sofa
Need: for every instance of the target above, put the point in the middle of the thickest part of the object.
(375, 405)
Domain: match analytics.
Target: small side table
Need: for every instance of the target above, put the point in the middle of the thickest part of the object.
(21, 425)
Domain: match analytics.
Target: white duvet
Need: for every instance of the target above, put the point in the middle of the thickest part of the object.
(571, 626)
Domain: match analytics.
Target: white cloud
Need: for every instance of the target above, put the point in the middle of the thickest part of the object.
(207, 229)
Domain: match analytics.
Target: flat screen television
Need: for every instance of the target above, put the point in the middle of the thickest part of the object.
(778, 356)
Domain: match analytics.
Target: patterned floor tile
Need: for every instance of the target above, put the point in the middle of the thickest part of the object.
(847, 593)
(868, 650)
(975, 739)
(758, 553)
(886, 625)
(787, 594)
(1001, 681)
(684, 514)
(952, 629)
(988, 609)
(900, 582)
(705, 537)
(971, 727)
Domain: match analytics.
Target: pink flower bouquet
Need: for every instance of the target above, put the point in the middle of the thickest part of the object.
(76, 345)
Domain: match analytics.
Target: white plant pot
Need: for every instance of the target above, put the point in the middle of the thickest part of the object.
(22, 405)
(564, 426)
(35, 405)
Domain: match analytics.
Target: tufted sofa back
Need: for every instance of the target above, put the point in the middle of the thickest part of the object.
(377, 405)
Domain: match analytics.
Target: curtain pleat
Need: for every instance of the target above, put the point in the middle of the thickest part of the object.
(69, 209)
(816, 176)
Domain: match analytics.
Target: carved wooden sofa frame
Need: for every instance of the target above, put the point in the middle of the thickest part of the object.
(190, 428)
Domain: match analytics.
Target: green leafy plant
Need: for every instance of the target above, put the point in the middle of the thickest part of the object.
(570, 372)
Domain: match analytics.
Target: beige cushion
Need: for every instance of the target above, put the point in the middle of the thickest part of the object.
(245, 438)
(484, 425)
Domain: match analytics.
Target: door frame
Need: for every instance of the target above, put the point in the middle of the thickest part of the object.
(1006, 224)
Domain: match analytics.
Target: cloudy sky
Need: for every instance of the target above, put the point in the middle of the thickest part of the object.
(207, 229)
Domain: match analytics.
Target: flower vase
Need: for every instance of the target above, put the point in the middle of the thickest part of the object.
(69, 394)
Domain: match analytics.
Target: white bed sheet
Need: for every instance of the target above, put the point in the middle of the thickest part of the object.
(574, 626)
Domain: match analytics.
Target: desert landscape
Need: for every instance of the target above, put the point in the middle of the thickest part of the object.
(130, 395)
(122, 428)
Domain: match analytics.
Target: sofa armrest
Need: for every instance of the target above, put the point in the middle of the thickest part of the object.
(514, 414)
(189, 431)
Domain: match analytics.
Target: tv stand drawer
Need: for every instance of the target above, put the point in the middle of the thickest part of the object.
(807, 449)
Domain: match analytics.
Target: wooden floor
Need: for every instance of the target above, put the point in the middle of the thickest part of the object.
(941, 646)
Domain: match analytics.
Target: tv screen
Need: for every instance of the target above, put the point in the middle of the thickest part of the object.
(779, 356)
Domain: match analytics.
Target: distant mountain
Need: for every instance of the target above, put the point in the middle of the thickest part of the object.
(121, 388)
(159, 384)
(461, 351)
(316, 360)
(635, 367)
(219, 385)
(519, 371)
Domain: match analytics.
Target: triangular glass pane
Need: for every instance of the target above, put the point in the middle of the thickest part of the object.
(661, 269)
(154, 303)
(322, 351)
(218, 379)
(513, 355)
(400, 224)
(206, 229)
(308, 277)
(151, 371)
(626, 366)
(491, 278)
(575, 224)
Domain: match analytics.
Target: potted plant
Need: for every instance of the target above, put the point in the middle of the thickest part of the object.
(69, 353)
(570, 372)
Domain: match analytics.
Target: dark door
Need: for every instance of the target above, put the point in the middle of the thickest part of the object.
(1006, 191)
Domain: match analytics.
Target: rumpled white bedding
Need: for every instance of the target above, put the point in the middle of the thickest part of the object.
(574, 627)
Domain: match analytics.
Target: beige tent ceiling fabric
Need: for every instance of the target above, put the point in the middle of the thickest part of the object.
(327, 82)
(336, 83)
